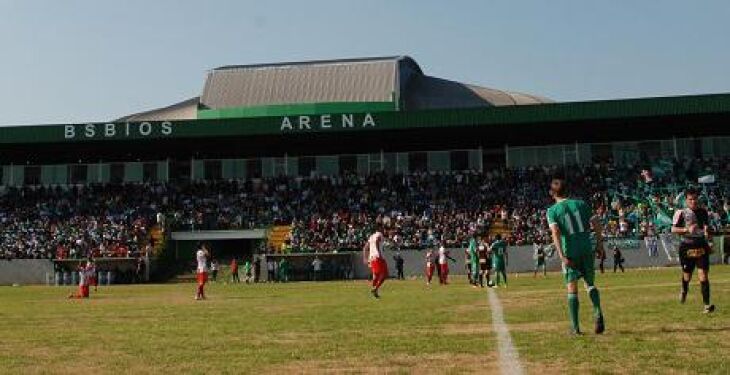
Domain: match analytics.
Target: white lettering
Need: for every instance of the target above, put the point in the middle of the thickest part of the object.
(304, 122)
(89, 131)
(69, 131)
(347, 121)
(126, 131)
(110, 130)
(166, 128)
(325, 121)
(368, 121)
(145, 128)
(286, 124)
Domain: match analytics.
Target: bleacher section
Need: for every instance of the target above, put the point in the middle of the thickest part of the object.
(277, 235)
(499, 227)
(158, 239)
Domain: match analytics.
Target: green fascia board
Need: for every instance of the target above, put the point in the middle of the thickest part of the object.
(296, 109)
(627, 109)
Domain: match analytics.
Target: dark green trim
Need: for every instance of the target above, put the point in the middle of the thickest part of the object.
(388, 120)
(296, 109)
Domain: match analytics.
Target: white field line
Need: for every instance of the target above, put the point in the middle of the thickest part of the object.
(509, 359)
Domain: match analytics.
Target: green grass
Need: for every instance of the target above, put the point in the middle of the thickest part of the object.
(648, 331)
(269, 328)
(338, 327)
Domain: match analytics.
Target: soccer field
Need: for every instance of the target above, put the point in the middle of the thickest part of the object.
(338, 327)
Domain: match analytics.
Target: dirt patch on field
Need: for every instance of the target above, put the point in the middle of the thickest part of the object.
(478, 306)
(426, 364)
(523, 303)
(560, 367)
(283, 338)
(467, 329)
(538, 327)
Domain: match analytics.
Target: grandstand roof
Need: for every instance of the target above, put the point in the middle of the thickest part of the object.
(392, 82)
(353, 80)
(184, 110)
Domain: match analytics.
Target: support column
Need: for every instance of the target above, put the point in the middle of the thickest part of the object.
(481, 160)
(506, 155)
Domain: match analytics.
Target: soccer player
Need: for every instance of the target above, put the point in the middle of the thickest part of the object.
(430, 265)
(499, 259)
(202, 270)
(570, 221)
(444, 265)
(373, 256)
(694, 250)
(467, 265)
(84, 276)
(473, 260)
(539, 258)
(485, 265)
(93, 279)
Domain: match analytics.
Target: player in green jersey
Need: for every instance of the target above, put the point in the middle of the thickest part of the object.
(473, 260)
(499, 259)
(570, 222)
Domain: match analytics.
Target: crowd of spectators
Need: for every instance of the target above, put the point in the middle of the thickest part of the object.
(80, 222)
(331, 213)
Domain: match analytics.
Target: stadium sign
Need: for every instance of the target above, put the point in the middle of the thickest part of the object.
(112, 130)
(326, 122)
(623, 243)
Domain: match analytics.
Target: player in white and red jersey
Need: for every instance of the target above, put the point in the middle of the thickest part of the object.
(373, 255)
(91, 269)
(202, 271)
(84, 276)
(430, 265)
(444, 257)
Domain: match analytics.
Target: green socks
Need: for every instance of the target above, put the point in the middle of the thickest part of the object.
(573, 306)
(596, 300)
(573, 311)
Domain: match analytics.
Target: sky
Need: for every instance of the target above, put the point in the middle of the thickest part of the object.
(73, 61)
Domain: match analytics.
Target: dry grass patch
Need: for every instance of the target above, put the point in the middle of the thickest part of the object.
(398, 364)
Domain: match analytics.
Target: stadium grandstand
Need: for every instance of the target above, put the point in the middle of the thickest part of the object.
(303, 157)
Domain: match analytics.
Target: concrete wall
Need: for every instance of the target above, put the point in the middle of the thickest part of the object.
(520, 260)
(33, 271)
(25, 271)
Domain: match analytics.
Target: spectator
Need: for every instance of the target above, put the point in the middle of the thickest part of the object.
(271, 269)
(618, 259)
(317, 269)
(256, 269)
(247, 271)
(399, 262)
(214, 269)
(283, 270)
(234, 271)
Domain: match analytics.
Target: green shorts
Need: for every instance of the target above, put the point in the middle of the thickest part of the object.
(498, 264)
(583, 267)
